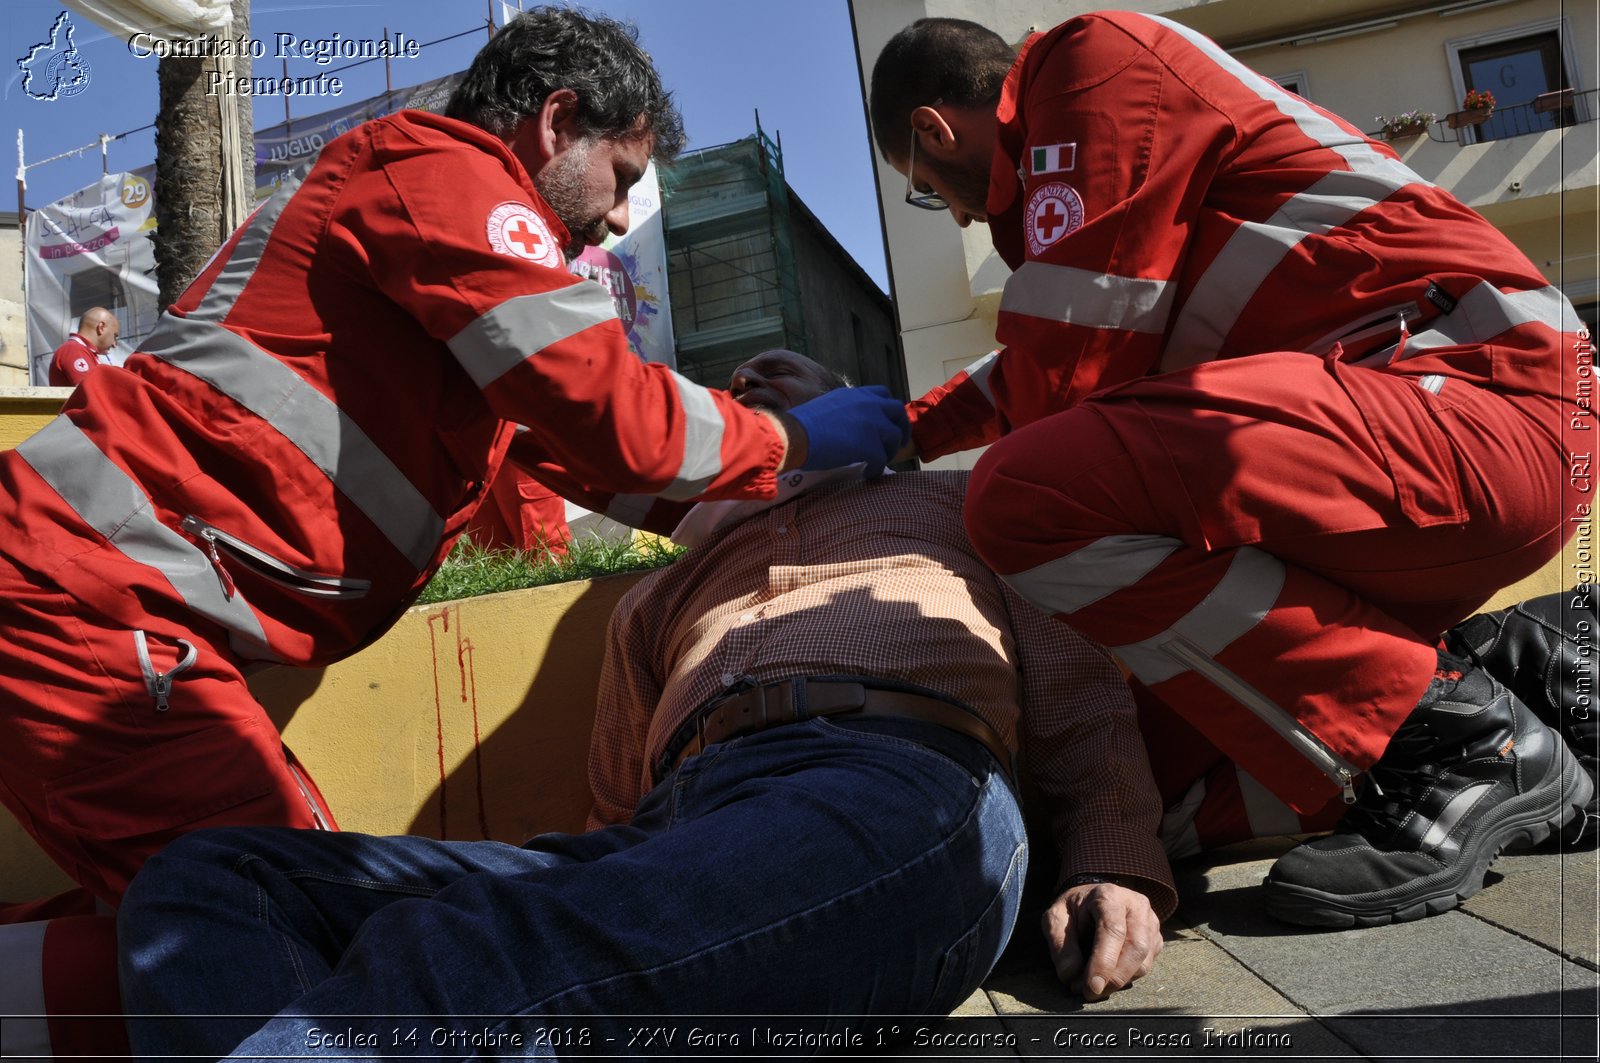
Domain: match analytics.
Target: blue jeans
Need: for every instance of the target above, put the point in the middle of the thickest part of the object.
(826, 870)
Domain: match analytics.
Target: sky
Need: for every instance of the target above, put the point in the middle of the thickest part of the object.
(724, 60)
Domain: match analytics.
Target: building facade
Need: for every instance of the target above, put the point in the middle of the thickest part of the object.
(13, 326)
(749, 267)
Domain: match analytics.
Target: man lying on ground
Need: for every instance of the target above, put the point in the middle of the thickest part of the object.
(804, 805)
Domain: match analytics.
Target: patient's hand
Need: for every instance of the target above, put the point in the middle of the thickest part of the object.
(1102, 937)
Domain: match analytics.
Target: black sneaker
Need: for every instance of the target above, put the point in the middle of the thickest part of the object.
(1469, 772)
(1544, 650)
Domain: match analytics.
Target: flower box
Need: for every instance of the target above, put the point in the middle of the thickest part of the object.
(1552, 101)
(1403, 132)
(1474, 116)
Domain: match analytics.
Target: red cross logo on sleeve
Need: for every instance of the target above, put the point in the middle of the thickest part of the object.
(515, 229)
(1050, 219)
(1054, 211)
(522, 236)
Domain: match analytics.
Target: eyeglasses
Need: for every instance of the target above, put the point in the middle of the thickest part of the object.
(925, 200)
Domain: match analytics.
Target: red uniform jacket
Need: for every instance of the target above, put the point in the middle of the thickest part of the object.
(296, 445)
(73, 360)
(1162, 205)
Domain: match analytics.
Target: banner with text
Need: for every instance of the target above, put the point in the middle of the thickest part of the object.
(282, 148)
(89, 249)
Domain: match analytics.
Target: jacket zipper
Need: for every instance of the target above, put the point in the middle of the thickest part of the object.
(1291, 730)
(159, 684)
(1375, 324)
(311, 802)
(216, 542)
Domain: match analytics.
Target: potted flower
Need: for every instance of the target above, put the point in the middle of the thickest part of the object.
(1475, 109)
(1406, 124)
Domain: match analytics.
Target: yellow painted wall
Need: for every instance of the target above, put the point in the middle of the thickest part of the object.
(467, 720)
(23, 411)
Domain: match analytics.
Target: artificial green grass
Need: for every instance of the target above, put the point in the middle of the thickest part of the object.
(471, 570)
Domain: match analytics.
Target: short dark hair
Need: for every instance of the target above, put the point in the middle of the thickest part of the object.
(949, 59)
(550, 48)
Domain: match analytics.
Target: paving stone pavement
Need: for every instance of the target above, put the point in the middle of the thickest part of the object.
(1510, 975)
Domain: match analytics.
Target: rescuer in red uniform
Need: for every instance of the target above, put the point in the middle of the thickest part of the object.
(1275, 413)
(84, 349)
(308, 429)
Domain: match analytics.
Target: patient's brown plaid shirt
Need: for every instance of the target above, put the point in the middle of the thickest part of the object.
(878, 579)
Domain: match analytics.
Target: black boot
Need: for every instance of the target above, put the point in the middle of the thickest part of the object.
(1469, 772)
(1544, 650)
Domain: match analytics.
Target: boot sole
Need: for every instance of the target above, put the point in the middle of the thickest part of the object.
(1524, 819)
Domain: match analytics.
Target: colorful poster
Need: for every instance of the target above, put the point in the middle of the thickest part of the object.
(91, 248)
(634, 269)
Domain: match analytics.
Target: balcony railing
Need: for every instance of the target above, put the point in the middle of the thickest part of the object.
(1553, 110)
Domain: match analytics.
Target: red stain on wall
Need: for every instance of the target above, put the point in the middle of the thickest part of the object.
(439, 625)
(438, 620)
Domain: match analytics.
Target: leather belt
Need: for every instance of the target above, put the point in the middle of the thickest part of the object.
(793, 700)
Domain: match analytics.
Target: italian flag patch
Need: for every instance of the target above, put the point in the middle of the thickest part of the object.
(1052, 158)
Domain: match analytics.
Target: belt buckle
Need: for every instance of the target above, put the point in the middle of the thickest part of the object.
(739, 714)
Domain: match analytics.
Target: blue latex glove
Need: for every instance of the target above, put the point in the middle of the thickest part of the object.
(848, 425)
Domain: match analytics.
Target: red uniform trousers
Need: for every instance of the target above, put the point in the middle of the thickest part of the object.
(1207, 800)
(1272, 544)
(58, 981)
(520, 513)
(92, 765)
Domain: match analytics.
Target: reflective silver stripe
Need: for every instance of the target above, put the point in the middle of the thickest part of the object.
(630, 509)
(246, 256)
(1177, 832)
(1451, 814)
(978, 372)
(309, 420)
(1083, 577)
(1256, 248)
(703, 428)
(503, 338)
(1485, 312)
(1432, 382)
(1085, 297)
(1268, 816)
(1243, 597)
(25, 1031)
(113, 505)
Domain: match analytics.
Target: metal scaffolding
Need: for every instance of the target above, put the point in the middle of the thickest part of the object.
(731, 264)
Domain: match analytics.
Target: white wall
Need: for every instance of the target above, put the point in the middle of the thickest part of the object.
(13, 326)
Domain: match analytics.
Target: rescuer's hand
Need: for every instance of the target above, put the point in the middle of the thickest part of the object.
(848, 425)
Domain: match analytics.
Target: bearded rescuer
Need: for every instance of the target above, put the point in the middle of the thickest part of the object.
(294, 448)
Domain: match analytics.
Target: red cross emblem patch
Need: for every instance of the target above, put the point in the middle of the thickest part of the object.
(516, 229)
(1054, 210)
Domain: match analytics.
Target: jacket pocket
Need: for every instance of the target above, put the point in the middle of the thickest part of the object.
(1400, 411)
(171, 782)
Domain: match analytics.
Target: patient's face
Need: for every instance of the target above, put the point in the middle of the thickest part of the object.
(777, 380)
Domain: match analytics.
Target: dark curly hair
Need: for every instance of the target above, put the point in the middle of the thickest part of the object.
(550, 48)
(949, 59)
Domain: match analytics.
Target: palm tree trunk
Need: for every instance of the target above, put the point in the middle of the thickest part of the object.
(191, 215)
